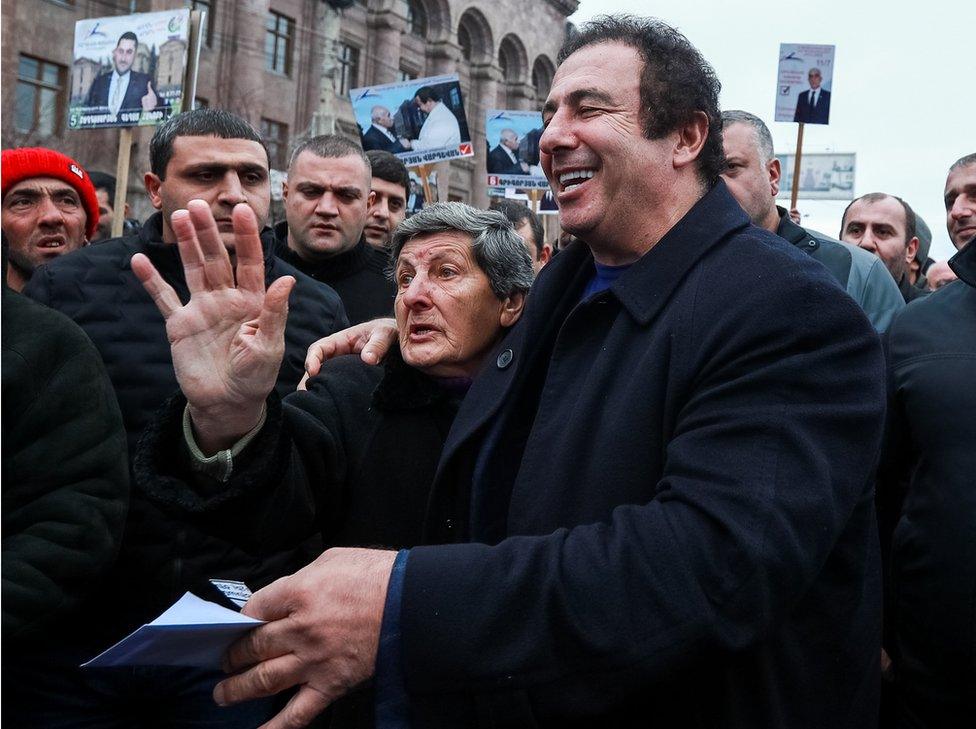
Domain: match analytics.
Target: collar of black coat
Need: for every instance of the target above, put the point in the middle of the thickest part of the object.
(963, 264)
(645, 287)
(795, 234)
(332, 268)
(151, 237)
(406, 388)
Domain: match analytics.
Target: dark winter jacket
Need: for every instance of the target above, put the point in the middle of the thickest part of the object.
(932, 443)
(95, 286)
(352, 458)
(357, 275)
(65, 475)
(677, 479)
(861, 274)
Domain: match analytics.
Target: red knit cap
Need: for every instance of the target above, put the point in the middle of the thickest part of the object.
(27, 162)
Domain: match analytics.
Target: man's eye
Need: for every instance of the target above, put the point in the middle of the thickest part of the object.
(396, 204)
(404, 279)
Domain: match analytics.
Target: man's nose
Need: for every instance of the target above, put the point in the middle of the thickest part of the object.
(231, 190)
(961, 208)
(380, 209)
(49, 213)
(326, 206)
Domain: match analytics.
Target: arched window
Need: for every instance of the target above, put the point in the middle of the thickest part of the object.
(417, 23)
(464, 40)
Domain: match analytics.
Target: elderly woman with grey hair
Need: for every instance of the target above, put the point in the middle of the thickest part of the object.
(353, 457)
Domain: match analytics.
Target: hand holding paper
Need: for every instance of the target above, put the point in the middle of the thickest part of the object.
(323, 633)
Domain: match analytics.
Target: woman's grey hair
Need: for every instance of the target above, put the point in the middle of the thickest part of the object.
(498, 249)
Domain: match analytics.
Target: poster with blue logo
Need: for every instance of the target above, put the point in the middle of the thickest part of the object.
(128, 70)
(421, 121)
(804, 82)
(513, 149)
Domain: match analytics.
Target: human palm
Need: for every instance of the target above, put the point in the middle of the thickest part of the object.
(228, 340)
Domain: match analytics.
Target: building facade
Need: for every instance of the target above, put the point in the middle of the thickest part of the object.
(263, 60)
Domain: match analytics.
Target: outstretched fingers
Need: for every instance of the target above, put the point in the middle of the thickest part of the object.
(190, 253)
(250, 255)
(161, 292)
(274, 313)
(216, 261)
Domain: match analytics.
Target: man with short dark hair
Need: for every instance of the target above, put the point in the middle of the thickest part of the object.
(105, 192)
(657, 496)
(203, 158)
(529, 226)
(930, 623)
(390, 188)
(884, 225)
(49, 209)
(752, 174)
(440, 128)
(960, 201)
(123, 89)
(327, 199)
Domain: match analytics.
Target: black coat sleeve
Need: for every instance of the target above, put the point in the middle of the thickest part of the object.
(65, 472)
(284, 487)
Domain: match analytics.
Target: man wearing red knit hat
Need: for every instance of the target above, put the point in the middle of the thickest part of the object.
(49, 209)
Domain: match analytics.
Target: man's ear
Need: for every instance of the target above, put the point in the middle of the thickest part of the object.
(546, 254)
(153, 183)
(126, 210)
(284, 189)
(911, 249)
(511, 309)
(773, 167)
(370, 199)
(691, 139)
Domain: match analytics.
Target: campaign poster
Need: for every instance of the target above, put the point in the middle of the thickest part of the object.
(415, 198)
(513, 149)
(826, 176)
(547, 202)
(128, 70)
(421, 121)
(804, 83)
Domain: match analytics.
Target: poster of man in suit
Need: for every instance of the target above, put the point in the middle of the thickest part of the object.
(513, 149)
(421, 121)
(804, 82)
(128, 70)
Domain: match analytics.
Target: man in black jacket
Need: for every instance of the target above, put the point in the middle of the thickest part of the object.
(930, 624)
(215, 159)
(663, 478)
(327, 199)
(65, 493)
(752, 173)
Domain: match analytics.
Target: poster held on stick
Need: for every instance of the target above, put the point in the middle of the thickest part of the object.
(796, 166)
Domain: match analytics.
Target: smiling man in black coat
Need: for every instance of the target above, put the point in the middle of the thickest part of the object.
(662, 479)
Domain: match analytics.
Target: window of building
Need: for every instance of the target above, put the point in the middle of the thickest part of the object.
(40, 97)
(276, 138)
(416, 19)
(406, 75)
(200, 103)
(464, 41)
(279, 31)
(206, 29)
(348, 68)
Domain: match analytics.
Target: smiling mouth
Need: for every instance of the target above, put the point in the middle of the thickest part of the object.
(571, 180)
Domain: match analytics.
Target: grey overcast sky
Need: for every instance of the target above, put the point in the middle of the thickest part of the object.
(903, 95)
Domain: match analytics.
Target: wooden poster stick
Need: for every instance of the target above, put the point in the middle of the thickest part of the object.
(534, 196)
(424, 172)
(121, 180)
(796, 167)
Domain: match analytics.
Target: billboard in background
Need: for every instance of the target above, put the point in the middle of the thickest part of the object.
(128, 70)
(421, 121)
(825, 176)
(513, 149)
(804, 82)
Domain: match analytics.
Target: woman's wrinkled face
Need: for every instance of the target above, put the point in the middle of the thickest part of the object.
(447, 315)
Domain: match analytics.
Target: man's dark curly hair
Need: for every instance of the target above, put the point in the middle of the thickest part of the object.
(676, 80)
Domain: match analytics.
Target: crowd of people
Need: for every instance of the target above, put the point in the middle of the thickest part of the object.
(693, 463)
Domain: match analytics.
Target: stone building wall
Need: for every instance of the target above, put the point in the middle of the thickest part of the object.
(504, 51)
